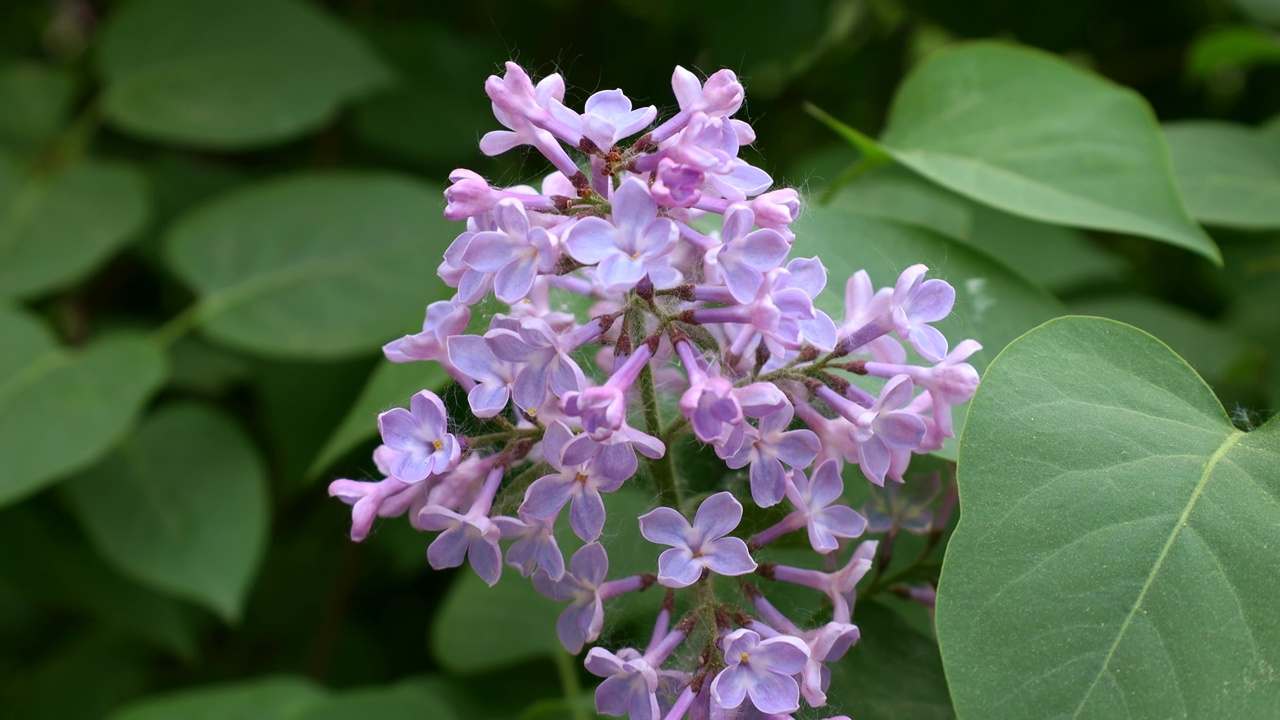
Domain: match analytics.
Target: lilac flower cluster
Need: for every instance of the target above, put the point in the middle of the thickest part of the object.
(683, 249)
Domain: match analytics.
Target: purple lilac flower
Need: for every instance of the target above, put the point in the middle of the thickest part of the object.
(420, 437)
(813, 501)
(390, 497)
(535, 545)
(543, 358)
(881, 428)
(700, 546)
(951, 382)
(515, 253)
(579, 485)
(766, 451)
(629, 248)
(494, 377)
(744, 256)
(521, 106)
(607, 117)
(444, 319)
(916, 302)
(472, 536)
(840, 586)
(584, 586)
(761, 670)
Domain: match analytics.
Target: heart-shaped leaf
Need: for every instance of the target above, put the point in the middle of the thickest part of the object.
(230, 73)
(1229, 174)
(55, 228)
(182, 507)
(314, 266)
(60, 410)
(1111, 557)
(1025, 132)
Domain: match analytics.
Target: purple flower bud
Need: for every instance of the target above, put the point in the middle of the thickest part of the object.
(445, 318)
(387, 498)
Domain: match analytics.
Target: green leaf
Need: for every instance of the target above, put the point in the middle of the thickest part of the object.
(479, 628)
(410, 701)
(269, 698)
(66, 574)
(895, 193)
(36, 99)
(230, 74)
(1231, 48)
(1025, 132)
(893, 672)
(994, 305)
(390, 385)
(62, 410)
(182, 507)
(84, 677)
(1107, 560)
(1229, 174)
(57, 228)
(314, 266)
(1058, 258)
(196, 366)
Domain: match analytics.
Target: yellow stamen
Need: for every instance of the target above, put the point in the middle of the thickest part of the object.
(437, 444)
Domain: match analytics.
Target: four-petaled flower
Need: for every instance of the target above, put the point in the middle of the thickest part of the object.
(420, 438)
(700, 546)
(763, 670)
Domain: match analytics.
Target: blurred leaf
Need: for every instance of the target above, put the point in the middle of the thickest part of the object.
(230, 74)
(398, 702)
(64, 573)
(1265, 11)
(196, 366)
(62, 410)
(1025, 132)
(993, 304)
(893, 671)
(1103, 483)
(895, 193)
(268, 698)
(57, 228)
(36, 99)
(1052, 256)
(182, 507)
(84, 678)
(1229, 174)
(479, 628)
(390, 385)
(442, 69)
(1228, 48)
(473, 696)
(315, 265)
(1209, 348)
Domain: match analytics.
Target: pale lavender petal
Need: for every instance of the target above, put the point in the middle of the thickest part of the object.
(826, 485)
(620, 272)
(471, 355)
(728, 556)
(729, 688)
(874, 459)
(449, 548)
(485, 558)
(832, 522)
(591, 240)
(546, 496)
(553, 442)
(929, 342)
(559, 590)
(798, 448)
(586, 515)
(717, 516)
(514, 281)
(677, 568)
(590, 564)
(491, 251)
(632, 205)
(530, 387)
(616, 461)
(508, 345)
(775, 693)
(768, 481)
(900, 430)
(933, 301)
(665, 526)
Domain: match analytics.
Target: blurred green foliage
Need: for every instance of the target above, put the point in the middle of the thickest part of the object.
(213, 213)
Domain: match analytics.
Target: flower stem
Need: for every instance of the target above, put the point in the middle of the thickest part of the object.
(662, 470)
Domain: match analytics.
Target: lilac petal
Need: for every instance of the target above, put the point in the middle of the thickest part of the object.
(765, 250)
(820, 331)
(729, 688)
(738, 220)
(591, 240)
(658, 237)
(496, 142)
(874, 459)
(677, 568)
(553, 441)
(933, 301)
(508, 345)
(488, 399)
(633, 206)
(647, 445)
(546, 496)
(530, 387)
(471, 355)
(578, 450)
(900, 430)
(717, 516)
(929, 342)
(665, 526)
(608, 104)
(586, 515)
(565, 375)
(742, 280)
(485, 558)
(775, 693)
(835, 521)
(412, 467)
(826, 484)
(491, 251)
(574, 625)
(599, 130)
(761, 399)
(449, 548)
(559, 590)
(617, 462)
(728, 556)
(798, 448)
(514, 281)
(602, 663)
(808, 274)
(619, 272)
(768, 482)
(896, 393)
(510, 216)
(776, 422)
(590, 564)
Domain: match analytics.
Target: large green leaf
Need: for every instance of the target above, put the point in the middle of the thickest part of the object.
(83, 677)
(60, 410)
(1025, 132)
(411, 701)
(1229, 174)
(893, 672)
(994, 305)
(390, 385)
(230, 73)
(894, 193)
(267, 698)
(479, 628)
(1056, 257)
(35, 99)
(1110, 559)
(56, 228)
(316, 265)
(182, 507)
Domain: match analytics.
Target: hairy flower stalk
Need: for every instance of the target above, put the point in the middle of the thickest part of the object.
(720, 325)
